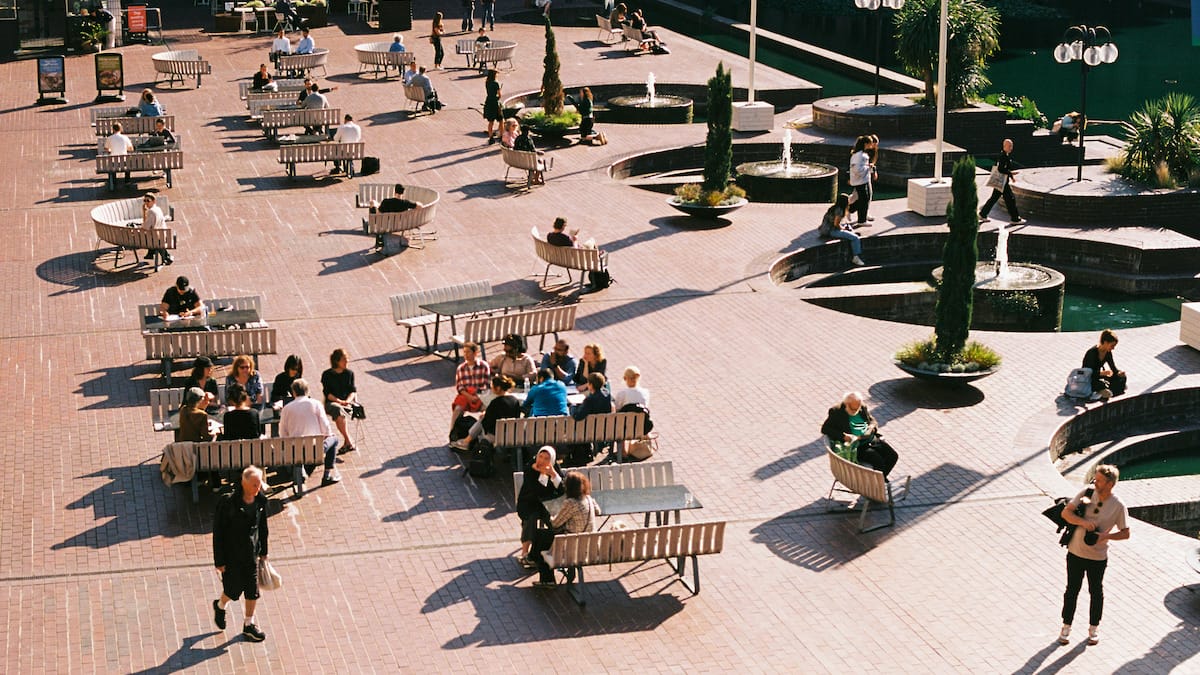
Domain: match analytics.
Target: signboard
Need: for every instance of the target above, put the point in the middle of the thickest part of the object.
(135, 16)
(110, 76)
(52, 79)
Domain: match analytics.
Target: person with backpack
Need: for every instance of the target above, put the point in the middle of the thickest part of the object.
(1106, 381)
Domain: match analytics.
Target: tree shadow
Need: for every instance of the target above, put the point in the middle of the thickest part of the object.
(1180, 645)
(436, 473)
(791, 459)
(116, 387)
(510, 615)
(80, 272)
(189, 655)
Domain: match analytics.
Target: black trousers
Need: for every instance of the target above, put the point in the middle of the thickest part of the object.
(878, 454)
(1010, 202)
(1077, 568)
(864, 200)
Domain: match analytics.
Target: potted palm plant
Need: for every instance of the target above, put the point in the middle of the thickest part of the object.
(91, 36)
(716, 196)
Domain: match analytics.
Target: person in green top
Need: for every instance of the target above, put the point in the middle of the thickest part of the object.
(851, 421)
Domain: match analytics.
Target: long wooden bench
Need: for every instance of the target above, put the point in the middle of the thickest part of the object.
(865, 482)
(274, 120)
(294, 452)
(132, 125)
(291, 155)
(113, 220)
(411, 220)
(607, 33)
(407, 312)
(493, 54)
(568, 258)
(259, 101)
(302, 63)
(163, 160)
(635, 36)
(378, 57)
(100, 115)
(291, 85)
(615, 476)
(672, 543)
(527, 160)
(167, 347)
(559, 430)
(543, 322)
(1189, 324)
(177, 65)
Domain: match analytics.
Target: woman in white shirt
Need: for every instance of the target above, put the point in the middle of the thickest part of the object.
(861, 169)
(633, 392)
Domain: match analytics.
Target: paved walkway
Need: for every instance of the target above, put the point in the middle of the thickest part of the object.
(406, 566)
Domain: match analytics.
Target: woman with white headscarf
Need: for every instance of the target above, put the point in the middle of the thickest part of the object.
(542, 482)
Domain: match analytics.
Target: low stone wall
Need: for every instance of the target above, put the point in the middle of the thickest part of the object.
(1123, 417)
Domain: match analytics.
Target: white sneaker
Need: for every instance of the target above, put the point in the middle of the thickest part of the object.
(460, 444)
(1064, 635)
(1093, 635)
(1105, 394)
(1018, 221)
(857, 261)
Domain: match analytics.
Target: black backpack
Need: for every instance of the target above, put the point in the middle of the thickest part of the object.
(370, 165)
(600, 280)
(481, 459)
(462, 427)
(638, 407)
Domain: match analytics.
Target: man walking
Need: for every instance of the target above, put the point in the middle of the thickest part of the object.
(239, 540)
(1004, 167)
(1095, 517)
(305, 416)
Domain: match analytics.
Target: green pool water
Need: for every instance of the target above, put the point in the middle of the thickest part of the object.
(1185, 462)
(1088, 309)
(833, 83)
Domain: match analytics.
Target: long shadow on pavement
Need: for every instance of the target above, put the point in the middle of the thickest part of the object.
(437, 475)
(80, 272)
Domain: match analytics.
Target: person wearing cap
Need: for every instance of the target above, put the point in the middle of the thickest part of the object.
(181, 300)
(193, 420)
(202, 378)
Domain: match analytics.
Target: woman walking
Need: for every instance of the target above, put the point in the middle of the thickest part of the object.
(491, 105)
(435, 39)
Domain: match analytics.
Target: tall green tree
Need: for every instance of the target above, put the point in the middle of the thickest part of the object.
(552, 88)
(974, 37)
(718, 150)
(956, 295)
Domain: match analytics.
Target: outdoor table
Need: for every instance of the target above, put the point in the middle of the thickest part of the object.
(301, 139)
(266, 417)
(232, 317)
(574, 398)
(473, 306)
(648, 500)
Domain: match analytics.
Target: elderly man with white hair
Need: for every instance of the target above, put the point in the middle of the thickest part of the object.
(850, 421)
(305, 416)
(239, 541)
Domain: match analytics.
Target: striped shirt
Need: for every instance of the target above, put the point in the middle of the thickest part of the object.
(476, 374)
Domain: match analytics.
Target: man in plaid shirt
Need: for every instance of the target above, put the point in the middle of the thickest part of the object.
(471, 378)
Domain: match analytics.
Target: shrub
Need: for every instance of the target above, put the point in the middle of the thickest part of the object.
(956, 294)
(1162, 141)
(974, 37)
(551, 124)
(1019, 108)
(552, 88)
(718, 149)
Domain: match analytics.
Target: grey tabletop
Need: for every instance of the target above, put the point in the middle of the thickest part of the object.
(302, 139)
(484, 303)
(629, 501)
(225, 319)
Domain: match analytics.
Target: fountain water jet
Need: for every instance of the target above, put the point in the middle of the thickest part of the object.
(650, 89)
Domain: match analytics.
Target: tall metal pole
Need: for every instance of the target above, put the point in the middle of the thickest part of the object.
(1083, 116)
(753, 46)
(878, 35)
(941, 93)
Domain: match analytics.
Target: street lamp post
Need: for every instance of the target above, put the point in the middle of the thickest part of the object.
(1091, 47)
(874, 6)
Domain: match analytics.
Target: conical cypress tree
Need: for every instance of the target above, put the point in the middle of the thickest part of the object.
(552, 88)
(718, 155)
(956, 295)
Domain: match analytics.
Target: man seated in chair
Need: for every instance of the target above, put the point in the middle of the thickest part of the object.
(849, 422)
(152, 219)
(306, 44)
(180, 300)
(431, 98)
(560, 236)
(394, 204)
(348, 132)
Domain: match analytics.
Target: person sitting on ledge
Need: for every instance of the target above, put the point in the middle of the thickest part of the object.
(851, 422)
(836, 225)
(1106, 382)
(1069, 126)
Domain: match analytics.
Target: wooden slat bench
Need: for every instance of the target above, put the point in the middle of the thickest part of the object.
(274, 120)
(407, 312)
(493, 54)
(164, 160)
(607, 33)
(568, 258)
(377, 192)
(294, 452)
(615, 476)
(1189, 324)
(167, 347)
(253, 302)
(866, 482)
(411, 220)
(112, 221)
(467, 47)
(527, 160)
(258, 101)
(672, 543)
(131, 126)
(415, 95)
(635, 36)
(377, 57)
(541, 322)
(101, 116)
(165, 401)
(302, 63)
(177, 65)
(291, 155)
(559, 430)
(291, 85)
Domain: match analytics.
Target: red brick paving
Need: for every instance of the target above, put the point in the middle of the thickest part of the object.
(407, 566)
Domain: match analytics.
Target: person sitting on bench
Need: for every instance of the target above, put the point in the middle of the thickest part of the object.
(394, 204)
(850, 422)
(431, 98)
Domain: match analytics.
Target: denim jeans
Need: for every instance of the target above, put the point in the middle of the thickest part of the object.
(489, 16)
(855, 242)
(1076, 569)
(330, 452)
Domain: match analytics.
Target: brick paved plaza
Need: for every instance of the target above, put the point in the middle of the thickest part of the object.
(406, 566)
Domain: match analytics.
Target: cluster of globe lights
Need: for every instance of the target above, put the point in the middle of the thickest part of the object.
(1099, 48)
(876, 4)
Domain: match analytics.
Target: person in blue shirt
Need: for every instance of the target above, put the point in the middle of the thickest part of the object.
(546, 398)
(397, 43)
(306, 44)
(559, 362)
(149, 106)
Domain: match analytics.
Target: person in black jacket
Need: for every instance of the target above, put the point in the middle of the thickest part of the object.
(1005, 166)
(239, 540)
(542, 482)
(1106, 381)
(851, 421)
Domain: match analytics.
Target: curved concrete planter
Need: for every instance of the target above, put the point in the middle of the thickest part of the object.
(709, 212)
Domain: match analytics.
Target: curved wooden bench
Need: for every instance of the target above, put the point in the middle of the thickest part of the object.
(378, 57)
(164, 160)
(867, 482)
(302, 63)
(568, 258)
(291, 155)
(525, 159)
(112, 221)
(407, 312)
(132, 125)
(177, 65)
(495, 52)
(406, 221)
